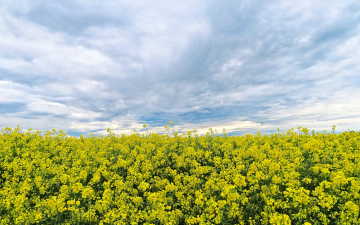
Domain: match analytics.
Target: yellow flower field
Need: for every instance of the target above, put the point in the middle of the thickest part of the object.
(297, 177)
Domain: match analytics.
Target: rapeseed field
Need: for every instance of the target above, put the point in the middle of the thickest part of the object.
(296, 177)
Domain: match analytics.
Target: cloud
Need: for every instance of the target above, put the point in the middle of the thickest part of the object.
(30, 50)
(129, 126)
(218, 128)
(337, 109)
(84, 66)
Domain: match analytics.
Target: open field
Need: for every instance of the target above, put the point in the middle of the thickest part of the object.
(296, 177)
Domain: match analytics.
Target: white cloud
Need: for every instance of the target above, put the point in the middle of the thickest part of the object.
(120, 125)
(129, 126)
(219, 127)
(35, 105)
(339, 109)
(58, 109)
(28, 49)
(12, 92)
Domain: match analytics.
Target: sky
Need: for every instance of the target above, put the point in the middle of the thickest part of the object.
(240, 65)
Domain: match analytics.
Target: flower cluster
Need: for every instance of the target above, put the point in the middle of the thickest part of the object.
(292, 178)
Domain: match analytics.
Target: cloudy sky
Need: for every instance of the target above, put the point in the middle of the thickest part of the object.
(243, 65)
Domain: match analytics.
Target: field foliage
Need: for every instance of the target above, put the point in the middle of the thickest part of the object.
(297, 177)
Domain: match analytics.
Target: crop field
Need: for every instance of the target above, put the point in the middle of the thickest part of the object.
(296, 177)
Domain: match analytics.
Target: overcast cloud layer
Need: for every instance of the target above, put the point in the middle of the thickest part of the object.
(84, 66)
